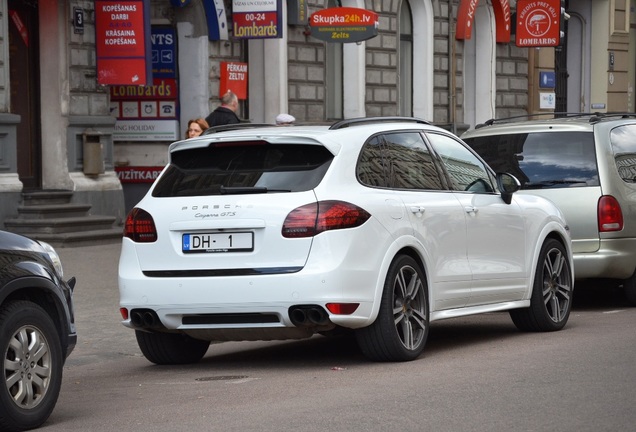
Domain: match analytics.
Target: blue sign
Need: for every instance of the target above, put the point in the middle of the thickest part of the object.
(163, 52)
(547, 80)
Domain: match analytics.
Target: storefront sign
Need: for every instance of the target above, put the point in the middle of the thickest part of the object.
(163, 51)
(122, 31)
(538, 23)
(234, 78)
(257, 19)
(216, 18)
(146, 130)
(150, 112)
(344, 24)
(466, 18)
(137, 174)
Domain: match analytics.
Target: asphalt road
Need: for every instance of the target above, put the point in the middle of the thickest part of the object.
(476, 374)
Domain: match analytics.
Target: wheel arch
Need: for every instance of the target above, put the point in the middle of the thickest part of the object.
(402, 246)
(556, 232)
(44, 293)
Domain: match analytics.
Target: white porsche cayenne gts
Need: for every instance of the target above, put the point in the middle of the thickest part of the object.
(378, 225)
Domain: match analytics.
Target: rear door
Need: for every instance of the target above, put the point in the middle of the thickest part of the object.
(436, 217)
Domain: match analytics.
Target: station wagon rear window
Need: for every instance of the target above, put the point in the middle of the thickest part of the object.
(243, 167)
(623, 141)
(542, 160)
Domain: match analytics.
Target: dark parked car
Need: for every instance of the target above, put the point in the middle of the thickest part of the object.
(37, 330)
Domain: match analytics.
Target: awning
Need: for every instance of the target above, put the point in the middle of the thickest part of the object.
(466, 17)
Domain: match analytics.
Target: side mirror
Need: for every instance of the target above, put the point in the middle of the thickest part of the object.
(507, 184)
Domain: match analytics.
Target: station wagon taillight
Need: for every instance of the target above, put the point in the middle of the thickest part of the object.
(610, 215)
(312, 219)
(140, 226)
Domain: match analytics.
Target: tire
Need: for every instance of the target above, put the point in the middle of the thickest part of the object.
(629, 285)
(171, 348)
(551, 299)
(400, 331)
(32, 366)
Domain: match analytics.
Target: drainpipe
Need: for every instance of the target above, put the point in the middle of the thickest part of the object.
(451, 70)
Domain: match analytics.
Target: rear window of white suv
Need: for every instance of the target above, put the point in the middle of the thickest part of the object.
(542, 159)
(243, 167)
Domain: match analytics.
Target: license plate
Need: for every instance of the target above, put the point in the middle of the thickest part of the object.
(218, 242)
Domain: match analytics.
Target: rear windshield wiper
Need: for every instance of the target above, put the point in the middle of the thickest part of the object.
(550, 183)
(230, 190)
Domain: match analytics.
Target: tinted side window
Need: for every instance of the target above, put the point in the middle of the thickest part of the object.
(372, 166)
(411, 164)
(466, 172)
(623, 140)
(273, 167)
(542, 159)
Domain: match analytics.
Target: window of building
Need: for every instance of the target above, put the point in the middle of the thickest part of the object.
(406, 60)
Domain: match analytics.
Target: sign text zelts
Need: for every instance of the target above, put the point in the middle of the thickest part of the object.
(344, 24)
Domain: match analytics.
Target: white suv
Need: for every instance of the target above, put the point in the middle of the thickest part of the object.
(380, 225)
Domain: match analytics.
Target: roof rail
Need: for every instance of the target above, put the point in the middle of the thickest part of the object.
(597, 117)
(234, 126)
(532, 115)
(366, 120)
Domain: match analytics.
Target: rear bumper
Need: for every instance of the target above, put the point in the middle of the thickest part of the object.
(615, 259)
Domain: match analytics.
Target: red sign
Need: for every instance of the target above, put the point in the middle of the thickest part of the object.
(234, 77)
(538, 23)
(466, 18)
(138, 174)
(257, 19)
(122, 30)
(344, 24)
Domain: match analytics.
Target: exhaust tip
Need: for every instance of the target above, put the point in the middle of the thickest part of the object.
(145, 319)
(308, 315)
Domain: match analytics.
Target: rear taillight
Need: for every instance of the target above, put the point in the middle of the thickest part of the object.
(140, 227)
(312, 219)
(610, 215)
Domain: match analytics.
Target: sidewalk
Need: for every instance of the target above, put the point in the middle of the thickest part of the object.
(96, 297)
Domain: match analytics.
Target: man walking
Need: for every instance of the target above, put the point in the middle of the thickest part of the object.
(226, 112)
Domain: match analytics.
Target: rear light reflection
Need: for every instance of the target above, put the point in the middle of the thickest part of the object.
(342, 308)
(140, 227)
(610, 215)
(312, 219)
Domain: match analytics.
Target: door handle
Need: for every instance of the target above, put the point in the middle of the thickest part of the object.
(417, 209)
(471, 209)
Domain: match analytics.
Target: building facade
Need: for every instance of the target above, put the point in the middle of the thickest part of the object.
(440, 60)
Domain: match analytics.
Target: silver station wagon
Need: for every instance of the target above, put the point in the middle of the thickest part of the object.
(586, 164)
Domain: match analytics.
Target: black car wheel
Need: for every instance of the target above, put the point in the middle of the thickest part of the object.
(551, 299)
(171, 348)
(33, 362)
(400, 331)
